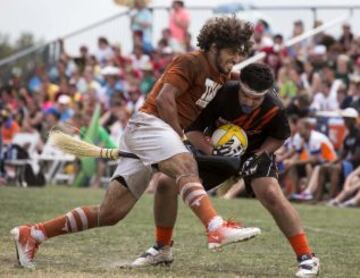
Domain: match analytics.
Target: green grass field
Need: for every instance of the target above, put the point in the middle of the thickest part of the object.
(334, 234)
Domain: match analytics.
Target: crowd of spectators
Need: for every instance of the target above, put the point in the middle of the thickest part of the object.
(315, 78)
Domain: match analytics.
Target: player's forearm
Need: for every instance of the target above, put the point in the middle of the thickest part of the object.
(198, 140)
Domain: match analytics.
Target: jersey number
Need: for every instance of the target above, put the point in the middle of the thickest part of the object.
(211, 89)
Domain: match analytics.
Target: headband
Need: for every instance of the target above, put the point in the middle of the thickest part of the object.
(250, 91)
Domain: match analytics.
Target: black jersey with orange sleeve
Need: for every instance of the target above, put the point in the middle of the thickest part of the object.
(268, 120)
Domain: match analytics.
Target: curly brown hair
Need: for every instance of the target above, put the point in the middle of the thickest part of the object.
(226, 32)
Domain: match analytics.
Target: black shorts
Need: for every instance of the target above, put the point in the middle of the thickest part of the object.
(265, 169)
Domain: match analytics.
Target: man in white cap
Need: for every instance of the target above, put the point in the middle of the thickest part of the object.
(349, 158)
(63, 107)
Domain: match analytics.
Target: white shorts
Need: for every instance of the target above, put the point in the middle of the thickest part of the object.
(152, 140)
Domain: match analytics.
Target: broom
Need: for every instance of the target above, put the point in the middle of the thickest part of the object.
(77, 147)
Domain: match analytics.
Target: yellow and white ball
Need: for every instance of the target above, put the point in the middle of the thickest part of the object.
(226, 132)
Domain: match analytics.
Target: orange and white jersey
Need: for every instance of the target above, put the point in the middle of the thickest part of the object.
(318, 145)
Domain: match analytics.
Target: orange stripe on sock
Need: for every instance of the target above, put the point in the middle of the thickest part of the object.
(300, 244)
(163, 235)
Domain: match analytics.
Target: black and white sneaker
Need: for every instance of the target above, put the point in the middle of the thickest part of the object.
(155, 256)
(309, 266)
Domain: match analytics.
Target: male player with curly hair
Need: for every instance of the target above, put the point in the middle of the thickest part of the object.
(155, 135)
(252, 104)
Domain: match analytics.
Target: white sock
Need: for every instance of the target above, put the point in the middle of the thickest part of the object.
(215, 223)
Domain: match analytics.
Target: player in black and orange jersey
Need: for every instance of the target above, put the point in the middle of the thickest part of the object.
(253, 104)
(155, 134)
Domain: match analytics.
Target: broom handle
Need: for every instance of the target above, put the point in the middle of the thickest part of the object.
(127, 154)
(115, 154)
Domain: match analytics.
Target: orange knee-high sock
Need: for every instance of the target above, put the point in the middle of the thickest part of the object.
(300, 244)
(78, 219)
(163, 235)
(195, 197)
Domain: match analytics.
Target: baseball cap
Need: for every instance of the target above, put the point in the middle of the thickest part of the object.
(64, 99)
(349, 113)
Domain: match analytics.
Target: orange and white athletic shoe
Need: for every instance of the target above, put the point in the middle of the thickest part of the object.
(230, 232)
(26, 245)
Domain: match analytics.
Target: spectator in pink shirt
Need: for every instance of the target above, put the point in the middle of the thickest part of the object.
(178, 25)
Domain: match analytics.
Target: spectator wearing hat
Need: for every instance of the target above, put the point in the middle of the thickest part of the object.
(148, 78)
(178, 24)
(338, 170)
(63, 106)
(318, 56)
(112, 84)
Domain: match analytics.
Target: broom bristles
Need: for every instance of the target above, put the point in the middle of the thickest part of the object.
(77, 147)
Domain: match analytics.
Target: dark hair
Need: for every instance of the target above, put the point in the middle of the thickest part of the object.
(103, 40)
(258, 77)
(293, 119)
(180, 3)
(226, 32)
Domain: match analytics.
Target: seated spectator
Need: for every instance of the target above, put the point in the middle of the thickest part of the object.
(317, 149)
(9, 127)
(350, 195)
(337, 170)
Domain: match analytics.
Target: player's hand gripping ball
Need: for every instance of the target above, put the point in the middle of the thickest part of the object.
(229, 140)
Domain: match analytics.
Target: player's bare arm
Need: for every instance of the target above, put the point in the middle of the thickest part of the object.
(166, 105)
(198, 140)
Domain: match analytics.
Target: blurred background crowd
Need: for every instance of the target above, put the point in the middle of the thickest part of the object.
(317, 79)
